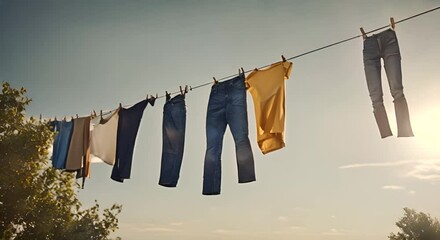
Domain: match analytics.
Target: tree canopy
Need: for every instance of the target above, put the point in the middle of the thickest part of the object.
(416, 226)
(36, 200)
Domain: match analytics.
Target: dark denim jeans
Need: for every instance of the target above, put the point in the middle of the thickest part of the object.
(173, 140)
(227, 105)
(384, 45)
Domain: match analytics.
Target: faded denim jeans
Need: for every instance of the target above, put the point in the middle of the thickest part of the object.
(384, 45)
(173, 140)
(227, 106)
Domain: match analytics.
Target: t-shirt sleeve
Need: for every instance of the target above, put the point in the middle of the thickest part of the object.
(287, 68)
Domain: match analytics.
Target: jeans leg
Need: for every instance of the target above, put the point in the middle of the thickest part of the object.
(402, 117)
(173, 131)
(393, 69)
(236, 115)
(215, 130)
(372, 67)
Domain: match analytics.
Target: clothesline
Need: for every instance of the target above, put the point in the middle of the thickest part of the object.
(321, 48)
(290, 58)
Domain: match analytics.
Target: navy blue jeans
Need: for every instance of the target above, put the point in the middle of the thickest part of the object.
(173, 140)
(128, 126)
(227, 105)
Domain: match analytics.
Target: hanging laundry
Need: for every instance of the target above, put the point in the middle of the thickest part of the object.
(384, 45)
(61, 144)
(227, 106)
(267, 87)
(128, 126)
(78, 157)
(173, 140)
(103, 138)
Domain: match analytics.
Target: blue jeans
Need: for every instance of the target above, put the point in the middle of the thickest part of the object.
(384, 45)
(227, 105)
(173, 140)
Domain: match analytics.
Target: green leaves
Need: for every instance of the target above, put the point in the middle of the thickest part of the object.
(416, 226)
(36, 200)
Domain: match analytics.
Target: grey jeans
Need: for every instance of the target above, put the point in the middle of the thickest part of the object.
(384, 45)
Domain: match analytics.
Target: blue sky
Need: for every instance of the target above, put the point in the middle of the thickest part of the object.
(335, 179)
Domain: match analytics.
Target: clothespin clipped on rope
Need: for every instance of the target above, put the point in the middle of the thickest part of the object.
(242, 70)
(77, 116)
(186, 89)
(120, 105)
(55, 119)
(41, 117)
(282, 57)
(168, 96)
(215, 80)
(181, 91)
(190, 88)
(364, 35)
(393, 24)
(94, 113)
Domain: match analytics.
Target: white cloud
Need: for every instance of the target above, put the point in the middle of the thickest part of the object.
(297, 228)
(426, 170)
(282, 218)
(149, 227)
(393, 187)
(423, 169)
(412, 192)
(380, 164)
(157, 229)
(299, 209)
(335, 232)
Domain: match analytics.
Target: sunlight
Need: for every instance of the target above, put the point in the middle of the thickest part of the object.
(426, 126)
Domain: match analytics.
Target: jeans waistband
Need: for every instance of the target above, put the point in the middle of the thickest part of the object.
(237, 81)
(179, 99)
(388, 32)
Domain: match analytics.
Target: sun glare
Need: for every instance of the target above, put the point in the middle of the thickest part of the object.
(426, 126)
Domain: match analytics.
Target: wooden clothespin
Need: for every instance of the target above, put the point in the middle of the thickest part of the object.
(120, 105)
(181, 90)
(215, 80)
(364, 35)
(186, 89)
(41, 117)
(55, 119)
(64, 118)
(76, 115)
(282, 57)
(242, 70)
(393, 24)
(168, 96)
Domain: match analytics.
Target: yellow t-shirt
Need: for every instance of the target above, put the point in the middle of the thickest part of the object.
(268, 93)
